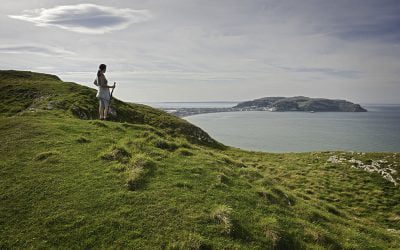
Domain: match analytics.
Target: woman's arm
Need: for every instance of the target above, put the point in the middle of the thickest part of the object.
(103, 82)
(111, 86)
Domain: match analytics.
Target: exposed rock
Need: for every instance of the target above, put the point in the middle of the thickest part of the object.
(376, 166)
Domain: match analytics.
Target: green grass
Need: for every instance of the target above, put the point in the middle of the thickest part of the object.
(68, 182)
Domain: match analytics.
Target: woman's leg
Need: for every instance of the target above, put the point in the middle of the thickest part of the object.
(101, 109)
(106, 106)
(101, 112)
(105, 112)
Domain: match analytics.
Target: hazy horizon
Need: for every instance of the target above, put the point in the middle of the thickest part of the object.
(180, 51)
(235, 101)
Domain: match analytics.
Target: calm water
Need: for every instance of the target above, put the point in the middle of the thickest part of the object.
(175, 105)
(376, 130)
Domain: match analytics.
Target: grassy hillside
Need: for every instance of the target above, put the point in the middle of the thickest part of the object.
(148, 180)
(23, 91)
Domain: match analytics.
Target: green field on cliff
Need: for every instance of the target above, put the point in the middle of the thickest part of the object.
(150, 180)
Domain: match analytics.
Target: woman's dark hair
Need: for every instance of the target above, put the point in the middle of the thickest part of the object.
(101, 67)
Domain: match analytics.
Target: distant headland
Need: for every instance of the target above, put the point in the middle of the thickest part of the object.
(278, 104)
(301, 103)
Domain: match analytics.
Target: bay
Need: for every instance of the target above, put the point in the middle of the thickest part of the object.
(377, 130)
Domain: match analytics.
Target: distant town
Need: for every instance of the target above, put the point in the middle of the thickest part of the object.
(182, 112)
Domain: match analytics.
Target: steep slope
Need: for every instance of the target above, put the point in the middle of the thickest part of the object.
(76, 183)
(23, 91)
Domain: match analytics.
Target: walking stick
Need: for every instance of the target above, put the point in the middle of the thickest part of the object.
(109, 102)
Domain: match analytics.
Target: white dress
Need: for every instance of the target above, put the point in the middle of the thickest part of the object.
(103, 92)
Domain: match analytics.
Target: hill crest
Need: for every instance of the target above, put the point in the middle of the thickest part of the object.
(23, 91)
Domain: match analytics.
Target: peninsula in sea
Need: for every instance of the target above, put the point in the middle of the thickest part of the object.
(277, 104)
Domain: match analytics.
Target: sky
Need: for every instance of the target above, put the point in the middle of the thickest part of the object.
(219, 50)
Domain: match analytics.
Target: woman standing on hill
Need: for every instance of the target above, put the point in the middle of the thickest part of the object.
(103, 94)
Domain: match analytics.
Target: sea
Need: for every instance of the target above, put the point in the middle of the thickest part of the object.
(377, 130)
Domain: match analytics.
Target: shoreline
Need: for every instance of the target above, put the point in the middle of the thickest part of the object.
(186, 112)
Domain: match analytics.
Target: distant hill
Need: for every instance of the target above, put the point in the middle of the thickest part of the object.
(302, 103)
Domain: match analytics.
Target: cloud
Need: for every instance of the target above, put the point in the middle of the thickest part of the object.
(34, 49)
(238, 49)
(84, 18)
(327, 71)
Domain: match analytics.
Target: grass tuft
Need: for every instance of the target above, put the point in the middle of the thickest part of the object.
(184, 184)
(82, 139)
(164, 144)
(223, 179)
(231, 162)
(222, 215)
(116, 153)
(49, 156)
(333, 210)
(191, 241)
(270, 229)
(141, 166)
(142, 160)
(136, 178)
(119, 167)
(252, 174)
(99, 124)
(184, 152)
